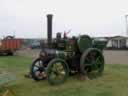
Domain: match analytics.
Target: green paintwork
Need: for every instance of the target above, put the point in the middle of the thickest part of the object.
(84, 42)
(57, 71)
(71, 47)
(65, 54)
(92, 61)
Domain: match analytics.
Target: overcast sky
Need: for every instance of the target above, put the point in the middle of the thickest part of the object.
(27, 18)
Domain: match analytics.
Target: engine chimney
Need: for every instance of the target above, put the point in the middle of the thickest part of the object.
(49, 29)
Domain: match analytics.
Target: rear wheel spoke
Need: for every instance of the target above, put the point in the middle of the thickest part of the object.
(93, 62)
(87, 59)
(87, 65)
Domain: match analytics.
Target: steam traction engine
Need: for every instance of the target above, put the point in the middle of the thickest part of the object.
(60, 57)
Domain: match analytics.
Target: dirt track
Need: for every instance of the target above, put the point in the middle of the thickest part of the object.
(116, 57)
(111, 57)
(29, 53)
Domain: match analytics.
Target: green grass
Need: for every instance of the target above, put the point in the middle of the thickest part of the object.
(114, 82)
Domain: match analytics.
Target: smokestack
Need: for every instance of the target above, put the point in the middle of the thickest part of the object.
(49, 29)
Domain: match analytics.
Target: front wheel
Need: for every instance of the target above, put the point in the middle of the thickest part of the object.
(57, 71)
(38, 70)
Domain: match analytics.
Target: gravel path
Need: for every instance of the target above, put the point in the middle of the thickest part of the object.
(29, 53)
(111, 56)
(116, 57)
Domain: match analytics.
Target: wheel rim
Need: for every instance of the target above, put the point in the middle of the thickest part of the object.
(94, 64)
(57, 72)
(39, 70)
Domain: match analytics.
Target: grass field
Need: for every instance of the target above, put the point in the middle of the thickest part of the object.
(114, 82)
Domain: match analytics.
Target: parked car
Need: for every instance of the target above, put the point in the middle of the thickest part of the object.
(35, 45)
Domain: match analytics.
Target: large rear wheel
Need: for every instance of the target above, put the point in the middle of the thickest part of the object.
(92, 63)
